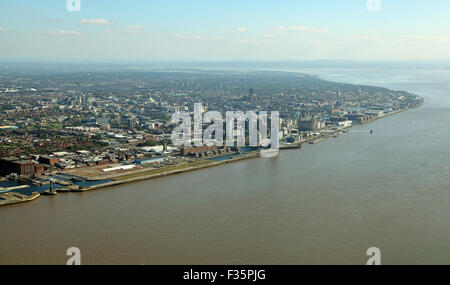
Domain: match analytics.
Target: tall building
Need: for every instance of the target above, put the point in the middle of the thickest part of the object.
(251, 95)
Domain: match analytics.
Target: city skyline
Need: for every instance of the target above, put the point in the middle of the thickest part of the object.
(215, 31)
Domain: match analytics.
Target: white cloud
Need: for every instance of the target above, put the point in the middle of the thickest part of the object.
(416, 37)
(251, 42)
(135, 27)
(95, 21)
(193, 37)
(423, 38)
(197, 37)
(302, 29)
(370, 38)
(67, 33)
(241, 30)
(221, 40)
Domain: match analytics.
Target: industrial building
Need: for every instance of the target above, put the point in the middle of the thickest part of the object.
(149, 160)
(12, 164)
(46, 159)
(199, 149)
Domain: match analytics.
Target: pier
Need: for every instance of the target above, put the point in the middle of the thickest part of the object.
(9, 198)
(2, 190)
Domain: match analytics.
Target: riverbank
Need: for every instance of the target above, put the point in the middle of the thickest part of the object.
(170, 171)
(145, 174)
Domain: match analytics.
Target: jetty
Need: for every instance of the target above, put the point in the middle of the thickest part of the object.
(8, 189)
(9, 198)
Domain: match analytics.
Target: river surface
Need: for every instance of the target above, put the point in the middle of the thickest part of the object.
(324, 204)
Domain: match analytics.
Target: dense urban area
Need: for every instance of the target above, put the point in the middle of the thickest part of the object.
(73, 129)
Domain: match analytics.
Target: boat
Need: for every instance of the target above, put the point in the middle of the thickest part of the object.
(76, 179)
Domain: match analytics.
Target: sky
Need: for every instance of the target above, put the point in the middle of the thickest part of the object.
(225, 30)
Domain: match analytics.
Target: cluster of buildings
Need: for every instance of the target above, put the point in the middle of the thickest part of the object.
(206, 151)
(62, 121)
(57, 161)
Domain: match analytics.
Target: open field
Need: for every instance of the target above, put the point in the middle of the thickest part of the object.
(162, 170)
(95, 172)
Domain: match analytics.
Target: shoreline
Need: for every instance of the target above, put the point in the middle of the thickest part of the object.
(136, 177)
(249, 155)
(10, 198)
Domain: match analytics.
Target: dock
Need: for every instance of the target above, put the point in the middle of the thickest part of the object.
(15, 197)
(55, 180)
(291, 146)
(318, 140)
(2, 190)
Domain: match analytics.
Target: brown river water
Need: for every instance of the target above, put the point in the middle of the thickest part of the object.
(324, 204)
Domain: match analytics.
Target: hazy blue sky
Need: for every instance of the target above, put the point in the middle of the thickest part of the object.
(225, 30)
